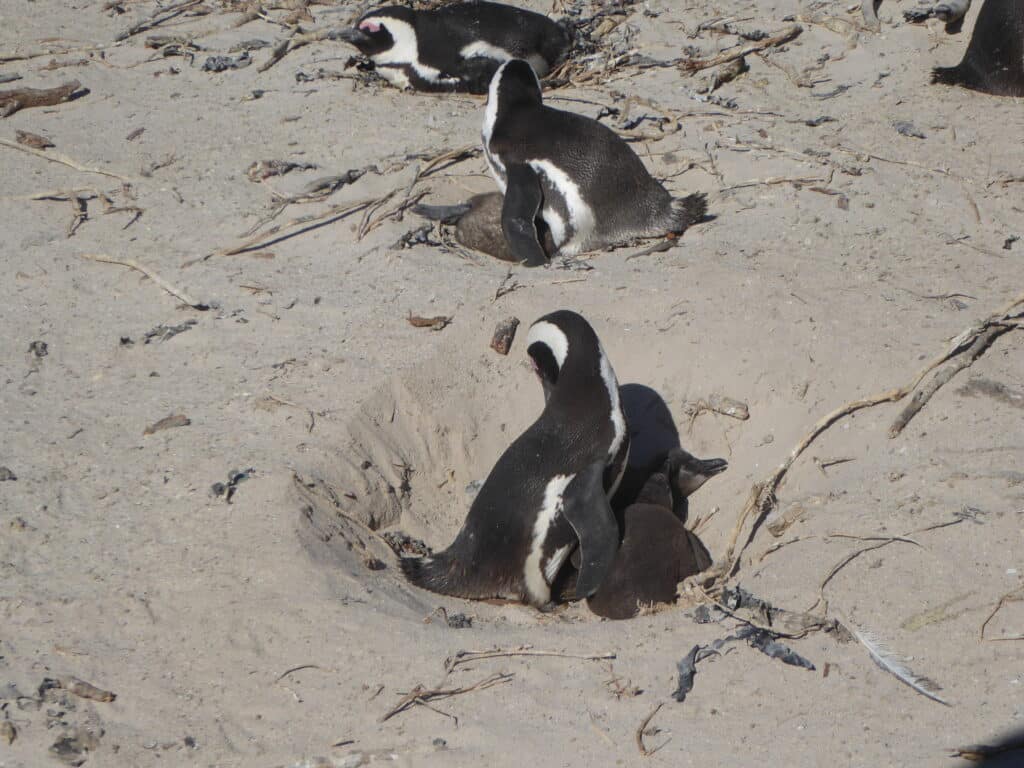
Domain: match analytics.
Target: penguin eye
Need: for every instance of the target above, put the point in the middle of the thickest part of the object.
(544, 362)
(371, 27)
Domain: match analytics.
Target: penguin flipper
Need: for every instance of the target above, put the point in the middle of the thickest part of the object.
(585, 505)
(523, 198)
(476, 72)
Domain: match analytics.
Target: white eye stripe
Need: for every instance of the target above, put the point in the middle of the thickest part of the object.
(552, 337)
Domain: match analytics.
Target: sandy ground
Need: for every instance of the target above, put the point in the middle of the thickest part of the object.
(119, 566)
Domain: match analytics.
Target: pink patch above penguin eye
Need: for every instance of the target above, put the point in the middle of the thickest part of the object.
(370, 26)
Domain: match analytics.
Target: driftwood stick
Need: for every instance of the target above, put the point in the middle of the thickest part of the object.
(762, 500)
(294, 228)
(25, 98)
(963, 360)
(639, 735)
(158, 18)
(421, 695)
(1009, 597)
(465, 657)
(56, 157)
(132, 264)
(695, 65)
(296, 41)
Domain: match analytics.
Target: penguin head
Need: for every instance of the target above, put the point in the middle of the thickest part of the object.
(564, 350)
(687, 473)
(381, 30)
(514, 85)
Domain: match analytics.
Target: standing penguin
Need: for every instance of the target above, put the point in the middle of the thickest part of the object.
(994, 61)
(585, 183)
(657, 550)
(456, 47)
(549, 491)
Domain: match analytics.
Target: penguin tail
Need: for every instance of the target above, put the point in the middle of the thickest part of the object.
(688, 210)
(438, 573)
(947, 76)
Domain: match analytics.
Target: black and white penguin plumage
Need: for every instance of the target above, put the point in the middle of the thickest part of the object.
(994, 61)
(657, 550)
(549, 490)
(584, 181)
(456, 47)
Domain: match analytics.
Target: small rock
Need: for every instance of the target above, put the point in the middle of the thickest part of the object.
(8, 733)
(504, 335)
(905, 128)
(224, 63)
(39, 348)
(6, 474)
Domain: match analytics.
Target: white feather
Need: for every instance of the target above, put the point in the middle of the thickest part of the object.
(884, 658)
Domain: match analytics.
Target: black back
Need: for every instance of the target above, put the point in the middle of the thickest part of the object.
(573, 432)
(610, 176)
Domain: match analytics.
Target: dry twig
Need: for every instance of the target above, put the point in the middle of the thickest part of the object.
(465, 657)
(694, 65)
(421, 695)
(56, 157)
(761, 500)
(26, 98)
(132, 264)
(639, 736)
(1010, 597)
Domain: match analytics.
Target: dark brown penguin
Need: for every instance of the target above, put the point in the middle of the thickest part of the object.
(657, 550)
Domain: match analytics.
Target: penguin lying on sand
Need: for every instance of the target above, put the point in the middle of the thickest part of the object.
(570, 184)
(456, 47)
(994, 61)
(657, 550)
(549, 491)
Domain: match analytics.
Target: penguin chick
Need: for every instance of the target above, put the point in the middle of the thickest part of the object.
(478, 225)
(548, 493)
(456, 47)
(657, 550)
(586, 184)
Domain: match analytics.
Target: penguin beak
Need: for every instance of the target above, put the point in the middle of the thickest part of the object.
(356, 37)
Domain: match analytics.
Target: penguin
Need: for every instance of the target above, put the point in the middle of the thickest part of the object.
(657, 550)
(994, 61)
(548, 493)
(584, 181)
(456, 47)
(478, 225)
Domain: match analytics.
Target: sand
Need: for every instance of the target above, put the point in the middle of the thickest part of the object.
(840, 257)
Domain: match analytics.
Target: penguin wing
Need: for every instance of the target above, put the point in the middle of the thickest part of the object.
(585, 505)
(475, 73)
(523, 198)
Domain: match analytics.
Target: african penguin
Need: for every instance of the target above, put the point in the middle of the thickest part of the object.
(478, 225)
(657, 550)
(588, 186)
(549, 490)
(456, 47)
(994, 61)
